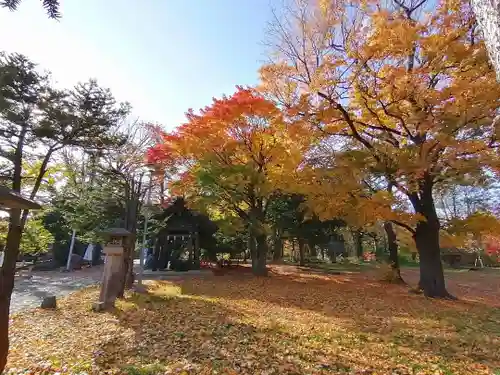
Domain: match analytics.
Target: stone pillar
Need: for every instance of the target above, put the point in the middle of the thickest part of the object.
(112, 274)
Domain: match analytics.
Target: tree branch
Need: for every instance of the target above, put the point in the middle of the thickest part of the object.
(403, 225)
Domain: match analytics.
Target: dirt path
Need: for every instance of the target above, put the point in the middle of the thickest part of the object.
(29, 292)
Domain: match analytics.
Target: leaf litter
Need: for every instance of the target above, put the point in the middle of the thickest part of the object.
(292, 322)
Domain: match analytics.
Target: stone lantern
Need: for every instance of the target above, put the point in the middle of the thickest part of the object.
(113, 250)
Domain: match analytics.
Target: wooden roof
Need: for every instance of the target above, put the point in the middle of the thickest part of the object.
(12, 199)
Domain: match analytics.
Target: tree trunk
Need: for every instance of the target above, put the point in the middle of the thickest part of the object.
(259, 256)
(431, 269)
(127, 273)
(252, 247)
(129, 267)
(278, 248)
(393, 253)
(4, 329)
(312, 249)
(124, 271)
(488, 14)
(358, 242)
(302, 258)
(7, 272)
(426, 237)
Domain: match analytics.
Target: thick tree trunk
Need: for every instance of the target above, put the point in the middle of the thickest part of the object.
(4, 330)
(426, 237)
(488, 16)
(431, 282)
(259, 256)
(302, 258)
(393, 252)
(7, 272)
(252, 247)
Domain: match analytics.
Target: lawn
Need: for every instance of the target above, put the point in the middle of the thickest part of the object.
(293, 322)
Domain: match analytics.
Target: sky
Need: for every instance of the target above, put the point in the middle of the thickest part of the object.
(162, 56)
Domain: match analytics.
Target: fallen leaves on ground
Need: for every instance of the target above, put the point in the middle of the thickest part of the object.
(293, 322)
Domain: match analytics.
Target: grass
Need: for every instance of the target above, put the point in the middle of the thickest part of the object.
(293, 322)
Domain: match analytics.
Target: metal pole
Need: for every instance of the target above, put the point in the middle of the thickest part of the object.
(72, 244)
(144, 235)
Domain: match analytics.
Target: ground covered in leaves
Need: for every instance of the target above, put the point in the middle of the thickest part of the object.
(293, 322)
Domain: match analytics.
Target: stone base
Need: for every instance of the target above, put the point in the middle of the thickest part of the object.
(139, 288)
(100, 306)
(49, 302)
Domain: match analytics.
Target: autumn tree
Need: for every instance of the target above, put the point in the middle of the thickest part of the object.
(408, 83)
(230, 156)
(37, 122)
(124, 166)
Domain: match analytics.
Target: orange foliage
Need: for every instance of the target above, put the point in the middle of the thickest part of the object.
(232, 154)
(412, 93)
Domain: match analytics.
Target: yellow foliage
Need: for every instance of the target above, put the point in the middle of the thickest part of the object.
(404, 94)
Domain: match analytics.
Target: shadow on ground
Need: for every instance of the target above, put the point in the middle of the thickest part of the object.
(201, 335)
(292, 322)
(377, 313)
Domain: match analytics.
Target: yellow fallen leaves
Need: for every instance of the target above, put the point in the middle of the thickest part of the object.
(289, 323)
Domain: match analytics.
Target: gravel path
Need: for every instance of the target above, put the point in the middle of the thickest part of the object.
(29, 292)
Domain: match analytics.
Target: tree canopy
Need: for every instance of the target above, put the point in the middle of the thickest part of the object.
(413, 95)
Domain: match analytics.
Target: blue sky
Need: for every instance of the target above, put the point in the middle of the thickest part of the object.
(163, 56)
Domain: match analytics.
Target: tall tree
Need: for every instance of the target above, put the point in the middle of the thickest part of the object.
(488, 15)
(36, 122)
(415, 93)
(125, 167)
(231, 155)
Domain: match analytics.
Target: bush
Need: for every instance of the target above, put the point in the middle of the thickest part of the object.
(61, 251)
(406, 260)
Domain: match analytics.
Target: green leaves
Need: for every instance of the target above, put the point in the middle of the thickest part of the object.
(36, 239)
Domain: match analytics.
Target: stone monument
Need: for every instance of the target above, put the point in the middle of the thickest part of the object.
(113, 250)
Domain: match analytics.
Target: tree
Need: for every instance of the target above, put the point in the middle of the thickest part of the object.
(51, 6)
(230, 156)
(337, 183)
(124, 166)
(488, 16)
(415, 94)
(289, 215)
(36, 123)
(36, 239)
